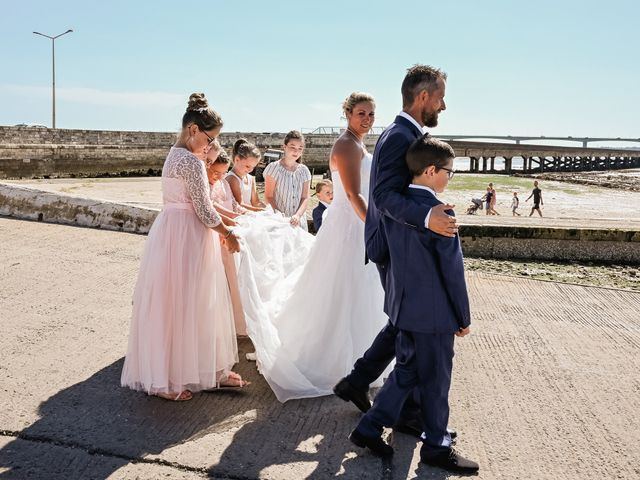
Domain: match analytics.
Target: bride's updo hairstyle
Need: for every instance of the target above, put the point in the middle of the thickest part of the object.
(355, 98)
(245, 149)
(199, 112)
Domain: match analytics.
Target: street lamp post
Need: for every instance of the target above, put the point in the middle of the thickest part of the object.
(53, 63)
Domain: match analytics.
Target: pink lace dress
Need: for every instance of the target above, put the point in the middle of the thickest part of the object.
(222, 195)
(182, 334)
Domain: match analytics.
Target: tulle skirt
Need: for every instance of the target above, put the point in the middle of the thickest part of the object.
(311, 326)
(182, 333)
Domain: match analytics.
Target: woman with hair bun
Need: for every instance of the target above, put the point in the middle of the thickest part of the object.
(182, 335)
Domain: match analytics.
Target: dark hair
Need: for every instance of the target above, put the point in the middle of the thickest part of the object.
(293, 135)
(244, 149)
(199, 113)
(223, 157)
(427, 151)
(418, 78)
(321, 184)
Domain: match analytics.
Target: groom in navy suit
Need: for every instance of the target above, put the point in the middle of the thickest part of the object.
(425, 269)
(423, 90)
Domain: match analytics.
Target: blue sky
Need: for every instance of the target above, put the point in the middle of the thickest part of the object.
(540, 68)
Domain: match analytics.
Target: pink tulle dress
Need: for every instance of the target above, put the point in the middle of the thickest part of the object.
(222, 195)
(182, 334)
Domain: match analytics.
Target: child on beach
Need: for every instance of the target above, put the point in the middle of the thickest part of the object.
(243, 185)
(487, 200)
(286, 182)
(324, 192)
(515, 203)
(422, 263)
(536, 193)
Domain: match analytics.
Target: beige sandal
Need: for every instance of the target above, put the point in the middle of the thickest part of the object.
(232, 381)
(173, 397)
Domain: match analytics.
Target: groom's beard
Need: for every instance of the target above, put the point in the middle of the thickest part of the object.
(430, 119)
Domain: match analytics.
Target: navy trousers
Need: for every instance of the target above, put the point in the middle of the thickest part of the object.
(375, 360)
(424, 361)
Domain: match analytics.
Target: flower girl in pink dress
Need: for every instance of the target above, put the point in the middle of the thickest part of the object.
(226, 205)
(182, 335)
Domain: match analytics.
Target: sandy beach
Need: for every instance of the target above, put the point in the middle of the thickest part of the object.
(564, 200)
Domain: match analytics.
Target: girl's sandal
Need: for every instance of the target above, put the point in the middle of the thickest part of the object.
(173, 397)
(232, 381)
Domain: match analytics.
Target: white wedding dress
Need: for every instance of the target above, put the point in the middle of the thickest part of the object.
(312, 307)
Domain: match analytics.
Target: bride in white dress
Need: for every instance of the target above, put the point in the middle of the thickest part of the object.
(313, 309)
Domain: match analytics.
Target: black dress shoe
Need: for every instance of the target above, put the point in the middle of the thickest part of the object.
(349, 393)
(377, 446)
(450, 460)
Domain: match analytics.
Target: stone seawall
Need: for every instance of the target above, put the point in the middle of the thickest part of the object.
(540, 243)
(502, 242)
(42, 152)
(31, 204)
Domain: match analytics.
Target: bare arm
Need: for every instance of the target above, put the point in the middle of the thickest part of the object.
(229, 222)
(223, 211)
(270, 192)
(256, 203)
(346, 156)
(304, 200)
(234, 183)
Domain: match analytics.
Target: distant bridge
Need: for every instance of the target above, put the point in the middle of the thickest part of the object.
(511, 138)
(518, 139)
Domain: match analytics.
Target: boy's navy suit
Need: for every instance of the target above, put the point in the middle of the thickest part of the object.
(426, 291)
(317, 215)
(427, 302)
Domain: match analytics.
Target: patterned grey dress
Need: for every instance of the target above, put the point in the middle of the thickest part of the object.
(288, 191)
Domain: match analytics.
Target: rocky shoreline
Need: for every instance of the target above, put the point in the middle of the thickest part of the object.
(597, 275)
(618, 179)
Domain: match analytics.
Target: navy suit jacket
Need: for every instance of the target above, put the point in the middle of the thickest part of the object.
(389, 177)
(426, 290)
(317, 215)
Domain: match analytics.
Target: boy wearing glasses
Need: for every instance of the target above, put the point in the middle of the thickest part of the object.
(427, 301)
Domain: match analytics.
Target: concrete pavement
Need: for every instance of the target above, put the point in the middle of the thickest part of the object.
(546, 387)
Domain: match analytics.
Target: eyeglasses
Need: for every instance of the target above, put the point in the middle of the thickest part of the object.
(211, 140)
(449, 171)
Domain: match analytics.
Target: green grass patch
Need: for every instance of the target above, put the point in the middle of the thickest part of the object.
(476, 182)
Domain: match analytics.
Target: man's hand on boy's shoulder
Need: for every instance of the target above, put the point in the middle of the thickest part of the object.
(442, 223)
(463, 332)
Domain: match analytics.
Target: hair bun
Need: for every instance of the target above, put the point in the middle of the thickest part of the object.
(197, 102)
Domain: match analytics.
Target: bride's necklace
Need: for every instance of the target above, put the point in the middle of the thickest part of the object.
(356, 137)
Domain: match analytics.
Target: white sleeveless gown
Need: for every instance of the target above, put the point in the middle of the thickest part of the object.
(312, 308)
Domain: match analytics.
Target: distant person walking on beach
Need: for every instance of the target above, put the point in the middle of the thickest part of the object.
(494, 199)
(536, 193)
(515, 203)
(489, 203)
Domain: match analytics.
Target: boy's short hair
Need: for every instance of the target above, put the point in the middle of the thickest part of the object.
(427, 151)
(321, 184)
